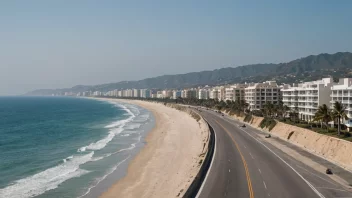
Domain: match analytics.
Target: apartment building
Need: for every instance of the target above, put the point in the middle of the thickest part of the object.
(203, 94)
(217, 93)
(190, 93)
(256, 95)
(145, 93)
(176, 94)
(167, 94)
(307, 97)
(342, 92)
(235, 92)
(136, 93)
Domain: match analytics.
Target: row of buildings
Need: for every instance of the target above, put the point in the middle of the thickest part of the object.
(304, 97)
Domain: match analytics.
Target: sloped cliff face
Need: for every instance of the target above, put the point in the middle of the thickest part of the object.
(333, 149)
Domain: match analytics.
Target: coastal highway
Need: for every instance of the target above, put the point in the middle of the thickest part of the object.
(245, 165)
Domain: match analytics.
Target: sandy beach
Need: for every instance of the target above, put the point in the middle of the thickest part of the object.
(166, 166)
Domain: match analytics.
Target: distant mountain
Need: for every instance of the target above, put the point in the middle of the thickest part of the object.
(308, 68)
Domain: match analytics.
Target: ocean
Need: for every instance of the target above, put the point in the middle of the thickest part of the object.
(67, 147)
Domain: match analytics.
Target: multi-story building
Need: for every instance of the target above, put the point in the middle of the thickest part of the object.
(145, 93)
(307, 97)
(217, 93)
(256, 95)
(203, 94)
(167, 94)
(159, 94)
(136, 93)
(342, 92)
(183, 93)
(235, 92)
(190, 93)
(176, 94)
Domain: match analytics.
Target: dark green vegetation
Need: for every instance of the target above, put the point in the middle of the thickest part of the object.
(309, 68)
(268, 123)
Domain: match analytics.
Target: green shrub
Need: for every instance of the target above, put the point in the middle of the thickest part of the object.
(257, 113)
(346, 134)
(248, 118)
(306, 126)
(267, 123)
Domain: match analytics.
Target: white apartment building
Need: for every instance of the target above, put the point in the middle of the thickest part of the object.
(307, 97)
(167, 94)
(136, 93)
(145, 93)
(159, 94)
(235, 92)
(256, 95)
(342, 91)
(217, 93)
(128, 93)
(203, 94)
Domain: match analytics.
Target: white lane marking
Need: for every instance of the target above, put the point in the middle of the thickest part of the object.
(264, 184)
(307, 182)
(332, 189)
(260, 171)
(210, 167)
(251, 155)
(229, 170)
(268, 195)
(244, 146)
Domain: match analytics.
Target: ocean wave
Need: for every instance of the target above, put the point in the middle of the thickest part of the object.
(122, 122)
(103, 177)
(133, 126)
(48, 179)
(103, 142)
(132, 146)
(115, 128)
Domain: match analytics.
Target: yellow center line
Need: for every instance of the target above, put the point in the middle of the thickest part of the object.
(251, 194)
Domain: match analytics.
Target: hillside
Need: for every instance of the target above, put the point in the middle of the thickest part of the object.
(309, 68)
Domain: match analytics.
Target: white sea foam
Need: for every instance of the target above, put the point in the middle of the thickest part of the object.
(102, 178)
(125, 135)
(115, 128)
(103, 142)
(48, 179)
(122, 122)
(133, 126)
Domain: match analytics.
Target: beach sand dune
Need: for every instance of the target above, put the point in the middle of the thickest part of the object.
(170, 160)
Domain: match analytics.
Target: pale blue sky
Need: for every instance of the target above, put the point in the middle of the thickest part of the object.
(47, 44)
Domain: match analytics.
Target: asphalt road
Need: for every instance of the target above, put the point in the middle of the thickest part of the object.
(245, 165)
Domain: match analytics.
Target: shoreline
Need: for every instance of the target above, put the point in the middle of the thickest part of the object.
(170, 159)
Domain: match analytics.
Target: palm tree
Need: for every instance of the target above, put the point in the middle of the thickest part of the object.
(323, 115)
(339, 111)
(286, 109)
(269, 108)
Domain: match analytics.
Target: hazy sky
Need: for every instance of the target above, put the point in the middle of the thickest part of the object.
(47, 44)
